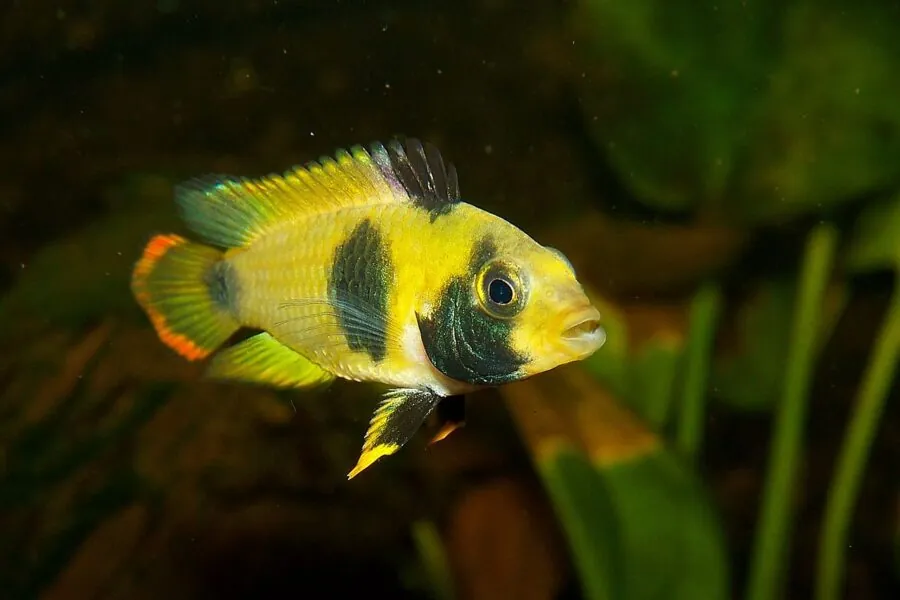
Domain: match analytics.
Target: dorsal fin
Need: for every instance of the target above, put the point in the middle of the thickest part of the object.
(231, 212)
(422, 173)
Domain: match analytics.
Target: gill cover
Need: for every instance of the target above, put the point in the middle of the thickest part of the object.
(468, 335)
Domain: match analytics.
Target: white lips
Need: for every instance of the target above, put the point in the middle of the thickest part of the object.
(583, 331)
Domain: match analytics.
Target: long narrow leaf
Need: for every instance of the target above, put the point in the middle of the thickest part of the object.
(854, 453)
(704, 315)
(773, 533)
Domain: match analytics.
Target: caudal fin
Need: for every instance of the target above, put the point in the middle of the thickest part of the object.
(170, 282)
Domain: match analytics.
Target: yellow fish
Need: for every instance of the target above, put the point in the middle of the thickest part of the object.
(369, 267)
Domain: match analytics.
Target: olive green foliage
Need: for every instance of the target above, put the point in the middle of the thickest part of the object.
(753, 112)
(84, 277)
(642, 377)
(638, 521)
(748, 376)
(646, 492)
(586, 512)
(873, 247)
(767, 569)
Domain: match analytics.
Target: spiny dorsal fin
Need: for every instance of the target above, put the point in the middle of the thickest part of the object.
(232, 212)
(422, 173)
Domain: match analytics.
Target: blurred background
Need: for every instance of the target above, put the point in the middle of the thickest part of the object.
(725, 178)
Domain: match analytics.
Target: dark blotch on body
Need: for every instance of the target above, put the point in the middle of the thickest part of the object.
(223, 285)
(358, 287)
(461, 340)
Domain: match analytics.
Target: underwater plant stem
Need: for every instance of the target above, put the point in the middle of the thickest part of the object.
(703, 316)
(851, 462)
(770, 550)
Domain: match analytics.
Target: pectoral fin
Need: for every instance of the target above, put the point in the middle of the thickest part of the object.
(396, 419)
(451, 415)
(264, 360)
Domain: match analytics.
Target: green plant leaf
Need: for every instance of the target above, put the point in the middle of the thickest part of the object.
(755, 112)
(641, 493)
(670, 533)
(874, 244)
(583, 507)
(704, 317)
(652, 374)
(749, 377)
(641, 377)
(772, 537)
(748, 374)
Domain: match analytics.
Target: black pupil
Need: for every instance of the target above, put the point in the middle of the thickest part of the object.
(500, 292)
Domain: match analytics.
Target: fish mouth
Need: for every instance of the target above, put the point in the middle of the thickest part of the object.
(583, 331)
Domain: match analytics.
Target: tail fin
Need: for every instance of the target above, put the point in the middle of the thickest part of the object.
(170, 282)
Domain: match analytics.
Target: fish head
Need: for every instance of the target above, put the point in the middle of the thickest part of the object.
(556, 323)
(514, 310)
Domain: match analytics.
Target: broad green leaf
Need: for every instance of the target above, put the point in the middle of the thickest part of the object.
(754, 112)
(575, 488)
(643, 494)
(670, 533)
(583, 507)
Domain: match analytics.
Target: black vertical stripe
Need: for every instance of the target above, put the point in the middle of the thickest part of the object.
(359, 284)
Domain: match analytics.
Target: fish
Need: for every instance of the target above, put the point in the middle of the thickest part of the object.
(365, 265)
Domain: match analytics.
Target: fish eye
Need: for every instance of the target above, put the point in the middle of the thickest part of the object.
(500, 290)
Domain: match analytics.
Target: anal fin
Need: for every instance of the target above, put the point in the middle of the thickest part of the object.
(397, 418)
(263, 359)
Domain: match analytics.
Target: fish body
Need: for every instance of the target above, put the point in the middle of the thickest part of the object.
(366, 266)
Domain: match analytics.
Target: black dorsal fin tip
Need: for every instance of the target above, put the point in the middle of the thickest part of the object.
(452, 183)
(422, 172)
(400, 164)
(438, 172)
(417, 159)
